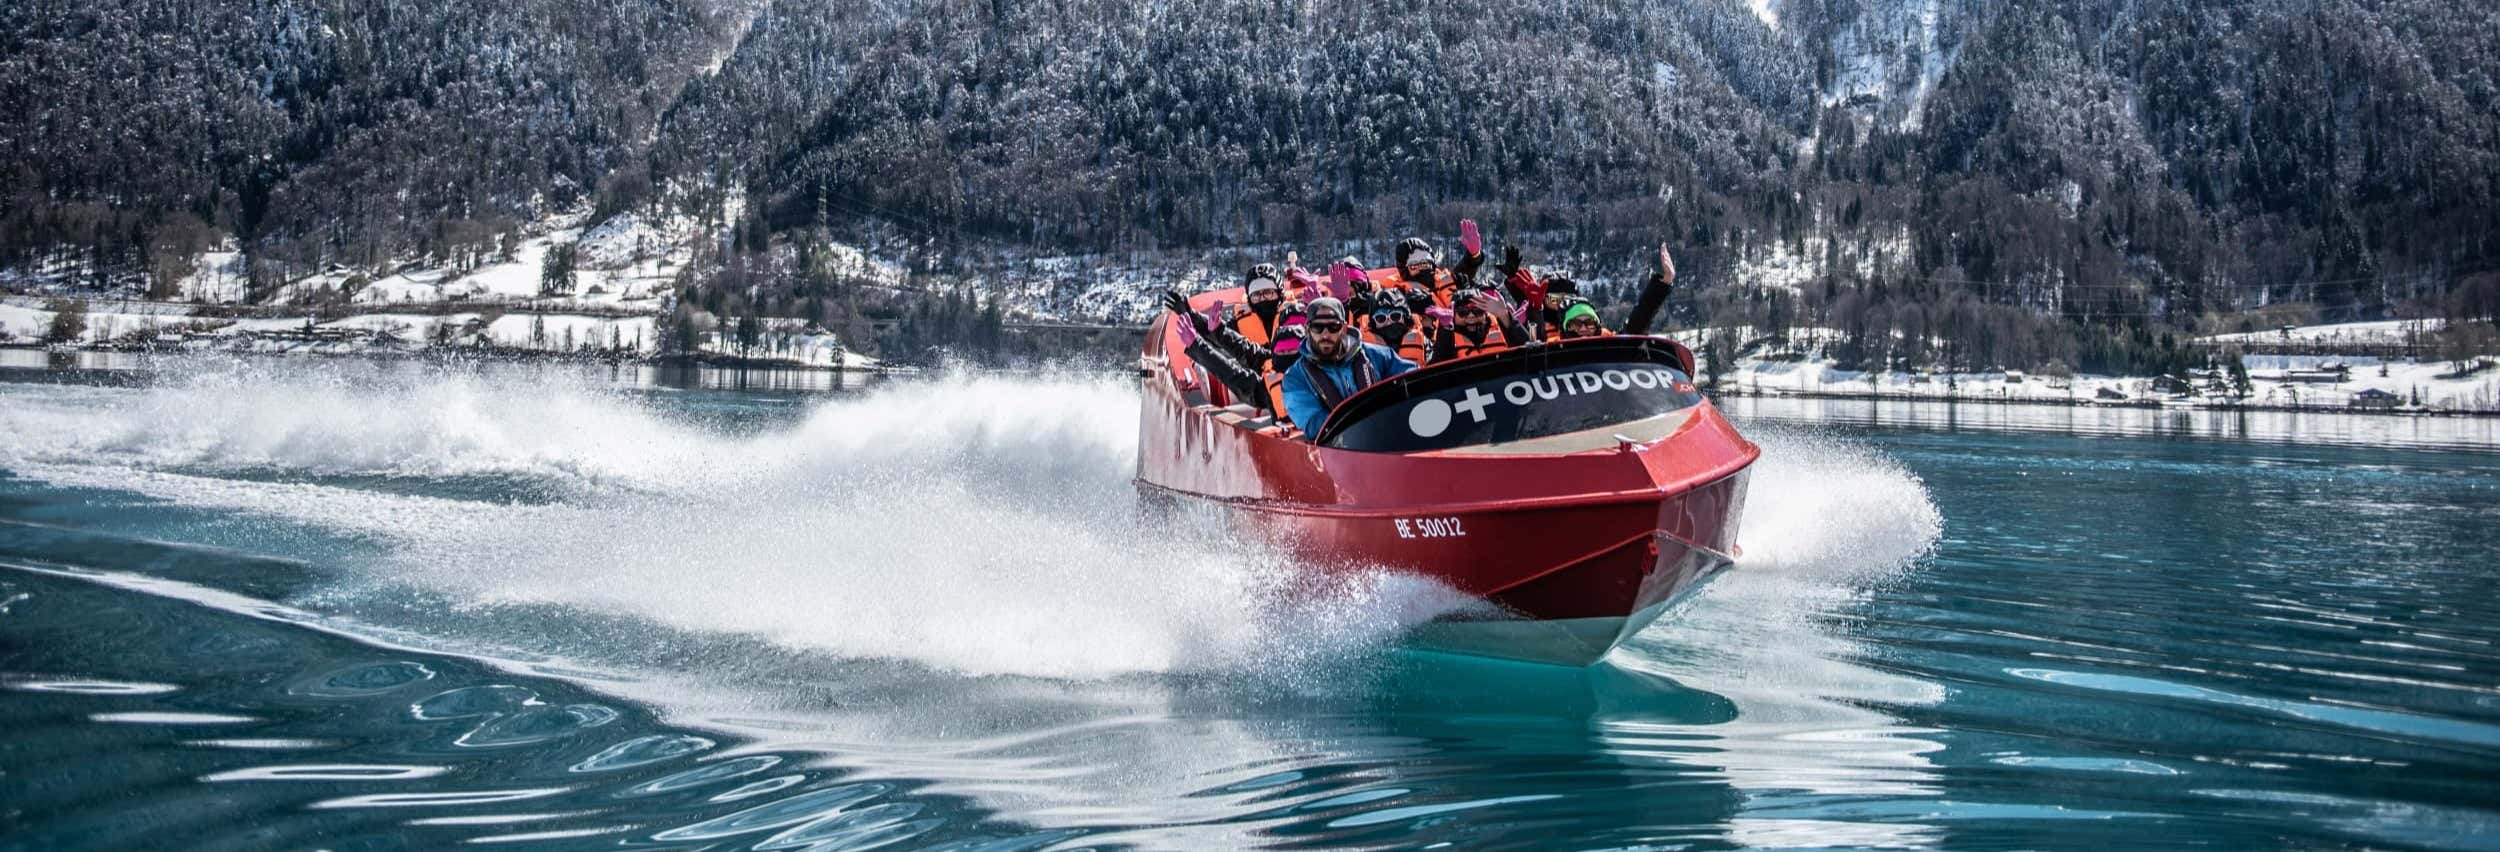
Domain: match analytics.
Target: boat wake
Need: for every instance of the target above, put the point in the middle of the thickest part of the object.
(979, 524)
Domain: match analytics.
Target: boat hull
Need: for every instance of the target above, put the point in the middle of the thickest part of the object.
(1571, 543)
(1560, 584)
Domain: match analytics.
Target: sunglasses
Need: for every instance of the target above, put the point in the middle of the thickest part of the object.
(1388, 317)
(1327, 326)
(1469, 311)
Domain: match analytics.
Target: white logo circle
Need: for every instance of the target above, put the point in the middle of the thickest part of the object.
(1429, 418)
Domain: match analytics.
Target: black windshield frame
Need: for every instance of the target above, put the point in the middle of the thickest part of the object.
(1388, 394)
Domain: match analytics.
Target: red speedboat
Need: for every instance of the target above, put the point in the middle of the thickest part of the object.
(1579, 488)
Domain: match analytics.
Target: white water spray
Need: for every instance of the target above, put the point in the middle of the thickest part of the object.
(981, 524)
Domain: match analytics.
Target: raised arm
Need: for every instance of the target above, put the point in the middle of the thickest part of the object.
(1471, 242)
(1654, 294)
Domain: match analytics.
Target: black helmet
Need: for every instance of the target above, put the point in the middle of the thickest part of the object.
(1264, 270)
(1409, 246)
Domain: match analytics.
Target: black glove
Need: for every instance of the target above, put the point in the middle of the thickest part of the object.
(1179, 306)
(1510, 260)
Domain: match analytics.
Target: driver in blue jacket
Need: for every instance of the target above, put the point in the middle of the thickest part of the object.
(1335, 363)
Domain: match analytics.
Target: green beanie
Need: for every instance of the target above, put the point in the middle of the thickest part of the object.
(1576, 311)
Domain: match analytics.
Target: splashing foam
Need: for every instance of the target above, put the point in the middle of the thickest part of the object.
(1826, 520)
(981, 524)
(341, 418)
(1832, 512)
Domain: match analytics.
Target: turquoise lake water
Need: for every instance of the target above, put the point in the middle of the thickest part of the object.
(348, 606)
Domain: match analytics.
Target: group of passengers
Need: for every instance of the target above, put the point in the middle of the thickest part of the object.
(1299, 343)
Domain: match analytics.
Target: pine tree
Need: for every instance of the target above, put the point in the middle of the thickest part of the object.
(555, 271)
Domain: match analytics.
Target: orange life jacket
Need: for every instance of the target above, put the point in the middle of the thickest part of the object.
(1444, 286)
(1412, 347)
(1248, 323)
(1492, 342)
(1275, 390)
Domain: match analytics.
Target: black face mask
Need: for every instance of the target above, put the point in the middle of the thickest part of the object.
(1267, 311)
(1391, 333)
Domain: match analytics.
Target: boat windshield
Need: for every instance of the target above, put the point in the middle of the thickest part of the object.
(1517, 395)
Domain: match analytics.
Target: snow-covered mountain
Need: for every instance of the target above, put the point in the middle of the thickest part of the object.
(2083, 169)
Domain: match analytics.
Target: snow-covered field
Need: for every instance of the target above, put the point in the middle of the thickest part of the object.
(623, 263)
(2275, 380)
(2379, 333)
(550, 332)
(22, 321)
(622, 268)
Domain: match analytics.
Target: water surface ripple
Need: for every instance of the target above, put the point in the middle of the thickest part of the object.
(369, 607)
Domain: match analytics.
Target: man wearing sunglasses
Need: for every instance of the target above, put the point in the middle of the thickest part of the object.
(1335, 363)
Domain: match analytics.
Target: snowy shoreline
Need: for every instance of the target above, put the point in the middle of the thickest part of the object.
(420, 352)
(1729, 390)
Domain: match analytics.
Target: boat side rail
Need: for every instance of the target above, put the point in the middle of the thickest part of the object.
(1489, 506)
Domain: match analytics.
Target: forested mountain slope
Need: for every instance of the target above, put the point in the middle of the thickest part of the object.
(354, 131)
(2060, 165)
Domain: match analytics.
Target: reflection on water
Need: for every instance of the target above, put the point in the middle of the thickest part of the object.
(18, 358)
(2365, 430)
(358, 738)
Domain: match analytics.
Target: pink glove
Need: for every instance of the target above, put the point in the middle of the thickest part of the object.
(1441, 317)
(1216, 314)
(1189, 332)
(1342, 279)
(1468, 238)
(1302, 280)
